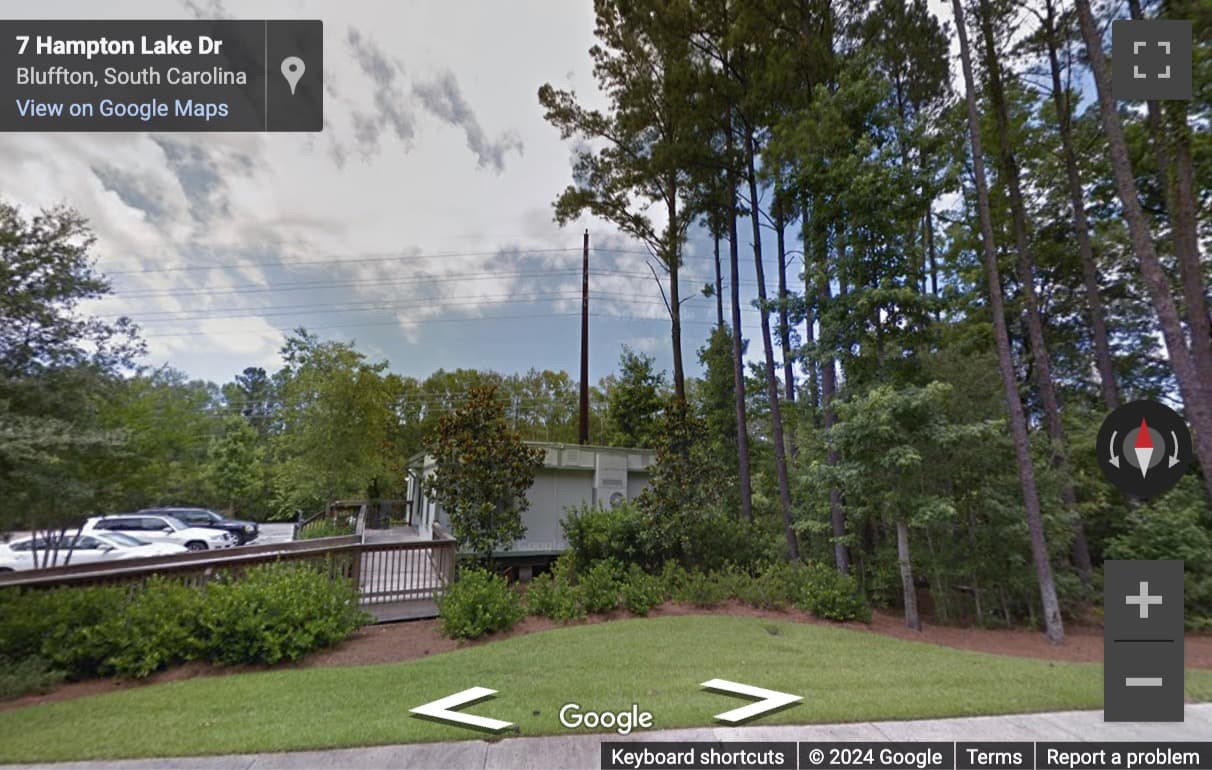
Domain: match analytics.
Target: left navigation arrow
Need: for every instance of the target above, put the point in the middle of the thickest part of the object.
(441, 710)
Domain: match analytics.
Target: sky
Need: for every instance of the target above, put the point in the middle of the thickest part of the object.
(418, 223)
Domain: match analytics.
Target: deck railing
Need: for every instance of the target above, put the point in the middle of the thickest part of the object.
(380, 572)
(375, 514)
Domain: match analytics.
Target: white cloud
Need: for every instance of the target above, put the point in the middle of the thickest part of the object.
(421, 156)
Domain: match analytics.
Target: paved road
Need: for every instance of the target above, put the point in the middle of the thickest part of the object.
(582, 751)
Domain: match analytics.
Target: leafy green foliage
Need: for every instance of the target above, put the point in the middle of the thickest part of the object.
(277, 612)
(333, 528)
(169, 423)
(483, 473)
(550, 597)
(555, 594)
(236, 465)
(641, 591)
(58, 367)
(47, 271)
(773, 587)
(600, 586)
(478, 603)
(632, 535)
(69, 627)
(639, 152)
(159, 626)
(634, 399)
(336, 434)
(702, 589)
(1174, 527)
(595, 533)
(28, 676)
(270, 613)
(826, 593)
(686, 515)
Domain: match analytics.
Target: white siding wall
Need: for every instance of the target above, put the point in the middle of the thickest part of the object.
(554, 490)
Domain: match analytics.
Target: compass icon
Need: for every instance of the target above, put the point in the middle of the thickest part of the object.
(1144, 448)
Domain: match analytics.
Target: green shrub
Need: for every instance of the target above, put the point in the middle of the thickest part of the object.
(276, 612)
(554, 599)
(269, 613)
(715, 538)
(641, 591)
(707, 540)
(72, 638)
(600, 586)
(702, 589)
(554, 595)
(27, 677)
(827, 593)
(772, 588)
(1174, 528)
(595, 533)
(673, 579)
(24, 624)
(479, 603)
(158, 627)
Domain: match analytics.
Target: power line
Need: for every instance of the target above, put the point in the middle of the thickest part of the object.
(376, 257)
(370, 306)
(428, 321)
(378, 323)
(304, 286)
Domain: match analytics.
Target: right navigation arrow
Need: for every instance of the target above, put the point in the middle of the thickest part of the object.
(771, 700)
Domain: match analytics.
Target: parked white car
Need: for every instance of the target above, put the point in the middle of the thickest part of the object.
(136, 548)
(161, 529)
(86, 548)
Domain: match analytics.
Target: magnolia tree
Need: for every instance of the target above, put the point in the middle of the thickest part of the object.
(483, 472)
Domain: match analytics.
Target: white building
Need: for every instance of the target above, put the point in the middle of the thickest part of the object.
(571, 475)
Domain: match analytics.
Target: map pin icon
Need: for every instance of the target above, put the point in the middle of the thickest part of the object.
(292, 70)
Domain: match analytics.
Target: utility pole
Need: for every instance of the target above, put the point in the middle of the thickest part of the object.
(583, 431)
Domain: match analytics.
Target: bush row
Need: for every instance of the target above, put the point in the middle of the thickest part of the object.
(710, 540)
(270, 613)
(480, 602)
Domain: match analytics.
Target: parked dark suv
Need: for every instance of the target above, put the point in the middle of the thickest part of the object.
(242, 531)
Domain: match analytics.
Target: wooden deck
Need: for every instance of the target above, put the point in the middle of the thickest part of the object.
(400, 577)
(393, 612)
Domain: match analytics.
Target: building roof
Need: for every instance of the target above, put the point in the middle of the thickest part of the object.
(572, 457)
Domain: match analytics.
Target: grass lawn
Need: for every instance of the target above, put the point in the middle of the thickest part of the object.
(844, 676)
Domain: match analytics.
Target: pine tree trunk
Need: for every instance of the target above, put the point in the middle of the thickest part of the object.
(719, 282)
(772, 387)
(1175, 178)
(912, 619)
(780, 227)
(932, 256)
(1026, 274)
(810, 360)
(738, 348)
(1186, 244)
(673, 257)
(1085, 250)
(1054, 626)
(1199, 408)
(837, 514)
